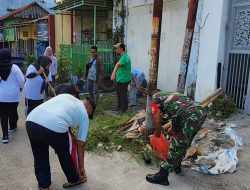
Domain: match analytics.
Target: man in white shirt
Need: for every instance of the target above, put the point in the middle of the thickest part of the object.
(49, 124)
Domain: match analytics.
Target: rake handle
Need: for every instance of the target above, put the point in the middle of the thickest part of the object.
(52, 90)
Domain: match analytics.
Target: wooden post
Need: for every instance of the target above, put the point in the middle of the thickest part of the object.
(51, 31)
(154, 54)
(193, 5)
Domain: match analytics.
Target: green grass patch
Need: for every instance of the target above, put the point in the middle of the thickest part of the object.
(221, 108)
(104, 129)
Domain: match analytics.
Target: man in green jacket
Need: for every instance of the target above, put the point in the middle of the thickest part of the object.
(122, 75)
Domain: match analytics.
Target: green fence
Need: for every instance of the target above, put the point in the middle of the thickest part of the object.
(78, 55)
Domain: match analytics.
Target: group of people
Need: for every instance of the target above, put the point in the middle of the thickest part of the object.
(66, 111)
(12, 82)
(47, 123)
(186, 115)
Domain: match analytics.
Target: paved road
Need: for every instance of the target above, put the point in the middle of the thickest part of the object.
(110, 172)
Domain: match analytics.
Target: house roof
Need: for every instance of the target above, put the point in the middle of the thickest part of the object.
(27, 23)
(81, 5)
(32, 10)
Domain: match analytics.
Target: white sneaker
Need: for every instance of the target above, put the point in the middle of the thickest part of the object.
(5, 140)
(12, 130)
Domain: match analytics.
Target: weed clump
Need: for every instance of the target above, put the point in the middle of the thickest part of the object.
(222, 108)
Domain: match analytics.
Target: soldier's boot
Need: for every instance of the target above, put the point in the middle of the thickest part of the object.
(177, 170)
(159, 178)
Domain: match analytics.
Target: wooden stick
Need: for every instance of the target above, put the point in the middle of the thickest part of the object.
(52, 90)
(211, 99)
(219, 90)
(204, 103)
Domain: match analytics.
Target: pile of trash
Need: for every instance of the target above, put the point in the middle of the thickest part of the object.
(135, 127)
(214, 149)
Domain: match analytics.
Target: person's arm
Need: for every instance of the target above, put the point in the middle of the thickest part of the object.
(115, 69)
(31, 75)
(49, 77)
(80, 151)
(81, 139)
(55, 66)
(19, 77)
(133, 81)
(157, 123)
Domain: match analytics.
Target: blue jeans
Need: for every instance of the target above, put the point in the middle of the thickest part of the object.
(133, 89)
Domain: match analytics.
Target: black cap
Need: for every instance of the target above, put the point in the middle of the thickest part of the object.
(92, 103)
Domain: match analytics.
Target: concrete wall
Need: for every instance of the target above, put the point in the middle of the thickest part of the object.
(62, 29)
(138, 32)
(212, 44)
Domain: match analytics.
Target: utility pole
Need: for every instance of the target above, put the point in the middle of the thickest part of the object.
(154, 55)
(193, 6)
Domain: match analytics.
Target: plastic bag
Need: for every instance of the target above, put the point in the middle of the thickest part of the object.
(160, 145)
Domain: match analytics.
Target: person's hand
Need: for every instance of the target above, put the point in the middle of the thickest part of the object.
(133, 83)
(41, 70)
(82, 174)
(112, 77)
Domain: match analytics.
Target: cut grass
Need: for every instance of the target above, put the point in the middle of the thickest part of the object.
(104, 130)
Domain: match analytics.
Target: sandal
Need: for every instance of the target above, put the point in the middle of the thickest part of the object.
(69, 185)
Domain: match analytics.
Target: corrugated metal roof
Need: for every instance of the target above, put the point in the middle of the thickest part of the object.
(32, 10)
(73, 5)
(6, 5)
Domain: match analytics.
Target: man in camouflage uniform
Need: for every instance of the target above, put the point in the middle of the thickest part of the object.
(187, 118)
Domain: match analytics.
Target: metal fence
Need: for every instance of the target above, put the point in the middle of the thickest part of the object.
(78, 55)
(238, 78)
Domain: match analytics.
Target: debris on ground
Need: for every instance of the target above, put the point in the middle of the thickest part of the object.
(135, 127)
(214, 149)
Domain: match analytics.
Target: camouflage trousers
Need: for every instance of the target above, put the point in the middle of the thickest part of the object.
(185, 127)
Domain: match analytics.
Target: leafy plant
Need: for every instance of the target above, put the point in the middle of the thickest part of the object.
(222, 107)
(63, 68)
(78, 69)
(28, 59)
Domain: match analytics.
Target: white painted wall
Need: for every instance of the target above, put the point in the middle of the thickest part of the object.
(174, 20)
(139, 36)
(212, 40)
(139, 25)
